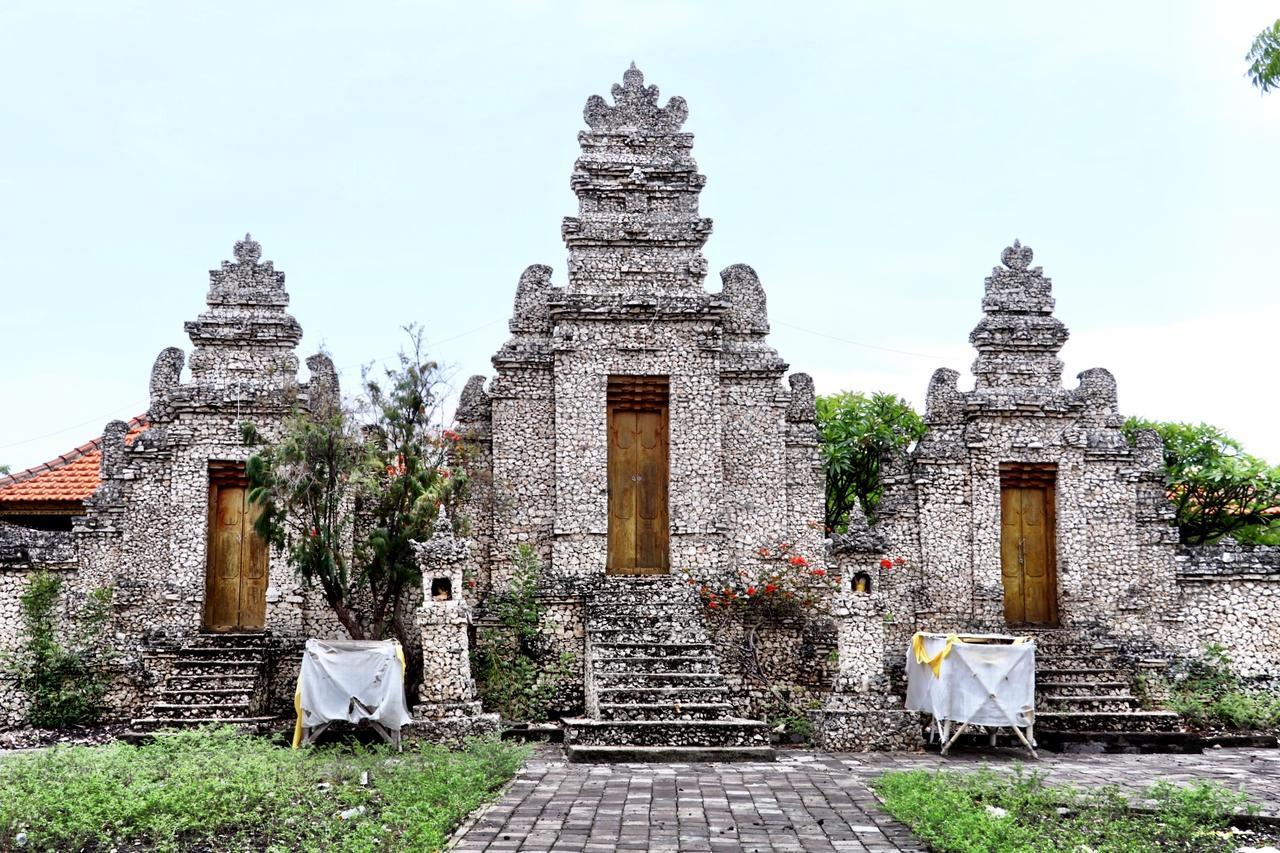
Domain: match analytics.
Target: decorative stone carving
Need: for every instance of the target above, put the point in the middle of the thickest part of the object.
(748, 310)
(474, 405)
(803, 407)
(166, 373)
(323, 391)
(635, 108)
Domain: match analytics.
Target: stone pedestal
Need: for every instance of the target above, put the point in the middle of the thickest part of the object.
(862, 715)
(448, 710)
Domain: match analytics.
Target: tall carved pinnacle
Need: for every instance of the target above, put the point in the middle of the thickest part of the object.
(1019, 338)
(635, 108)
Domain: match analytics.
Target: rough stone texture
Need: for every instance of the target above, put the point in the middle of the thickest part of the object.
(145, 529)
(743, 457)
(1230, 594)
(448, 707)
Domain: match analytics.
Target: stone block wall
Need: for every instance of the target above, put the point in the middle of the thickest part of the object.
(1229, 594)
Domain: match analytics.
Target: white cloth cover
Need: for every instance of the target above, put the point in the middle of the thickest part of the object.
(352, 680)
(986, 684)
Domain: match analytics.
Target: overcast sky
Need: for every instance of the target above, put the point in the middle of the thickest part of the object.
(405, 161)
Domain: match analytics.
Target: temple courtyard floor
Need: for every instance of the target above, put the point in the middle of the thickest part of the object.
(806, 801)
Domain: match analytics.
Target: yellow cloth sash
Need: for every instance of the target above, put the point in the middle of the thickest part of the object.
(297, 698)
(934, 663)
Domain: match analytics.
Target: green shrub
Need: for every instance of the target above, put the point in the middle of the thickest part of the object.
(515, 674)
(214, 789)
(64, 677)
(1210, 694)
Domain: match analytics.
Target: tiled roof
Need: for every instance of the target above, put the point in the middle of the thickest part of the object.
(70, 478)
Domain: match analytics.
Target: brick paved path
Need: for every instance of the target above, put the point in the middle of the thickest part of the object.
(805, 802)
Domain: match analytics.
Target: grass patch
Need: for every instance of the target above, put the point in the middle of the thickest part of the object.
(222, 791)
(1209, 695)
(986, 812)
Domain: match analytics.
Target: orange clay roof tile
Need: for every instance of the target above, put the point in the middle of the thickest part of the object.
(73, 476)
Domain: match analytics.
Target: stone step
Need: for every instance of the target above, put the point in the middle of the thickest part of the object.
(648, 634)
(209, 710)
(1077, 661)
(259, 639)
(653, 650)
(242, 653)
(155, 724)
(203, 696)
(595, 754)
(684, 663)
(1076, 674)
(210, 682)
(216, 666)
(1089, 703)
(1083, 688)
(644, 695)
(1105, 721)
(666, 711)
(728, 732)
(657, 680)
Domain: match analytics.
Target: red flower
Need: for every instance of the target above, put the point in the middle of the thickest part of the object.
(886, 563)
(751, 590)
(798, 561)
(471, 583)
(817, 573)
(315, 532)
(770, 589)
(899, 561)
(711, 604)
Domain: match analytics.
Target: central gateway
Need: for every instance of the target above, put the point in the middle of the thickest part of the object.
(639, 438)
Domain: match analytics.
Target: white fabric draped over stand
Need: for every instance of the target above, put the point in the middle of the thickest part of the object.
(359, 681)
(973, 680)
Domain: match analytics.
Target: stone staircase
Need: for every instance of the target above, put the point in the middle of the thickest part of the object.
(654, 691)
(1084, 694)
(215, 679)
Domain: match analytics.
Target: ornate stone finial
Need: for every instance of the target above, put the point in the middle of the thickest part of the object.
(324, 392)
(635, 108)
(531, 312)
(1017, 256)
(112, 449)
(474, 405)
(165, 373)
(741, 287)
(803, 405)
(248, 250)
(442, 549)
(944, 402)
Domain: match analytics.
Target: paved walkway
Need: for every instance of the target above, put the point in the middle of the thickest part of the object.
(806, 801)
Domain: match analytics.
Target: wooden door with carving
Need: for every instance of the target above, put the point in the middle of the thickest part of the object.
(1027, 545)
(638, 540)
(236, 574)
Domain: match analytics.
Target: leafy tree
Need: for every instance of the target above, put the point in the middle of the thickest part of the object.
(4, 469)
(856, 431)
(65, 674)
(1217, 489)
(343, 492)
(1264, 59)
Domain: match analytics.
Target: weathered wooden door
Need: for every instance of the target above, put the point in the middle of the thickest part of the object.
(638, 531)
(236, 577)
(1027, 540)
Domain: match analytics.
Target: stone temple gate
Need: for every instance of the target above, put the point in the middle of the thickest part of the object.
(642, 437)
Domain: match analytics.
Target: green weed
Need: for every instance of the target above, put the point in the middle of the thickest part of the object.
(218, 790)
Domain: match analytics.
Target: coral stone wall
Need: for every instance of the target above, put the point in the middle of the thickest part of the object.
(1230, 596)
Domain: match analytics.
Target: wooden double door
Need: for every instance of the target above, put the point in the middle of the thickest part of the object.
(236, 574)
(639, 542)
(1028, 559)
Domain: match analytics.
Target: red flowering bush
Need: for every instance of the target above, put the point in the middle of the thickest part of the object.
(786, 582)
